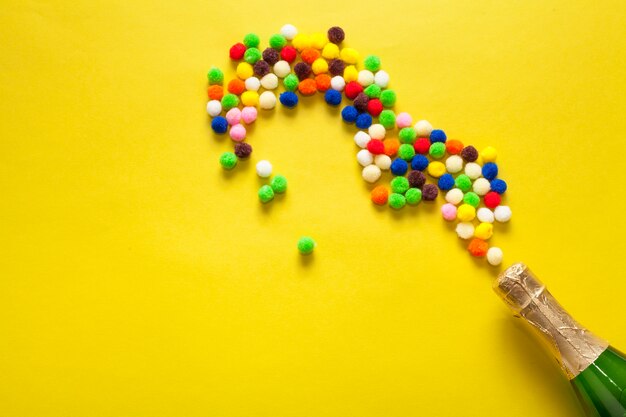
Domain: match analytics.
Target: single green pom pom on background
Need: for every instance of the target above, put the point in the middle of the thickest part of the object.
(396, 201)
(278, 41)
(399, 185)
(372, 91)
(306, 245)
(387, 118)
(251, 40)
(463, 182)
(291, 82)
(388, 98)
(437, 150)
(471, 198)
(279, 184)
(229, 101)
(228, 160)
(407, 135)
(413, 196)
(372, 63)
(406, 151)
(266, 194)
(252, 55)
(215, 76)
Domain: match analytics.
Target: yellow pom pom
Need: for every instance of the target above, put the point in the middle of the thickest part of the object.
(250, 98)
(466, 213)
(318, 40)
(320, 66)
(301, 41)
(330, 51)
(489, 154)
(436, 169)
(244, 70)
(483, 231)
(349, 55)
(350, 73)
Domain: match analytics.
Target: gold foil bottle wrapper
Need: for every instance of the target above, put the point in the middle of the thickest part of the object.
(573, 346)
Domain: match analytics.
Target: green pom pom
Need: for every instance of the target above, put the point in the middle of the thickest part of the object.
(396, 201)
(388, 98)
(291, 82)
(279, 184)
(463, 182)
(407, 135)
(372, 91)
(406, 152)
(471, 198)
(229, 101)
(228, 160)
(215, 76)
(252, 55)
(251, 40)
(437, 150)
(306, 245)
(278, 41)
(413, 196)
(266, 194)
(399, 185)
(387, 118)
(372, 63)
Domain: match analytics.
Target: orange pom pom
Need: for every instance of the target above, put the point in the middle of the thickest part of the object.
(307, 86)
(478, 247)
(216, 92)
(391, 146)
(380, 194)
(322, 81)
(236, 86)
(454, 147)
(309, 55)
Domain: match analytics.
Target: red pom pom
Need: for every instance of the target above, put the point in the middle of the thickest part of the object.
(422, 145)
(376, 147)
(374, 107)
(492, 199)
(353, 89)
(289, 53)
(237, 51)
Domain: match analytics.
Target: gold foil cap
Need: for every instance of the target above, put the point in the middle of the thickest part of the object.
(574, 347)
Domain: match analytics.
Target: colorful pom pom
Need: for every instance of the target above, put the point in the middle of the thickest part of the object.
(492, 199)
(397, 201)
(419, 162)
(445, 182)
(288, 99)
(306, 245)
(349, 114)
(413, 196)
(279, 184)
(430, 192)
(236, 51)
(228, 160)
(333, 97)
(416, 179)
(215, 76)
(380, 195)
(478, 247)
(219, 124)
(372, 63)
(336, 35)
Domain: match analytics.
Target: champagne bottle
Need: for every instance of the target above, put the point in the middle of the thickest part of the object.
(596, 370)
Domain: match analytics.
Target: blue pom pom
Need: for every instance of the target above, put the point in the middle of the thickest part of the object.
(219, 124)
(349, 114)
(363, 121)
(419, 162)
(333, 97)
(399, 166)
(499, 186)
(446, 182)
(438, 135)
(289, 99)
(490, 170)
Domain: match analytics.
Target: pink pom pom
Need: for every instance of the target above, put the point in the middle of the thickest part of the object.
(237, 133)
(448, 211)
(404, 120)
(233, 116)
(248, 114)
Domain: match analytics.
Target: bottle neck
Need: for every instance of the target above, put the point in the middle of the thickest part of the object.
(574, 347)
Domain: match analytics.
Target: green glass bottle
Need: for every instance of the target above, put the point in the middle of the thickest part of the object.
(596, 370)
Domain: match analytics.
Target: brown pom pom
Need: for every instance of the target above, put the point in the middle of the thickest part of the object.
(271, 56)
(336, 34)
(429, 192)
(336, 67)
(360, 102)
(302, 70)
(416, 179)
(261, 68)
(243, 149)
(469, 153)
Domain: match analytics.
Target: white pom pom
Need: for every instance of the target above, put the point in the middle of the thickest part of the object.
(481, 186)
(381, 79)
(454, 196)
(267, 100)
(253, 84)
(364, 157)
(289, 31)
(337, 83)
(423, 128)
(473, 170)
(371, 173)
(377, 131)
(269, 81)
(503, 214)
(365, 78)
(382, 161)
(214, 108)
(485, 215)
(264, 168)
(361, 139)
(282, 69)
(465, 230)
(494, 256)
(454, 164)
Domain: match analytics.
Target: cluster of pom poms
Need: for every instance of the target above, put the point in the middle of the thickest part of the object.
(423, 162)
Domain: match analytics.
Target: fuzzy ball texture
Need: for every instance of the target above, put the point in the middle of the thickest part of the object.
(269, 82)
(381, 79)
(310, 55)
(319, 66)
(380, 195)
(237, 132)
(399, 185)
(233, 116)
(372, 63)
(302, 70)
(438, 136)
(214, 108)
(454, 196)
(494, 256)
(236, 86)
(406, 152)
(337, 83)
(436, 169)
(271, 56)
(373, 91)
(250, 98)
(445, 182)
(264, 168)
(244, 70)
(289, 31)
(416, 179)
(361, 139)
(323, 82)
(478, 247)
(289, 99)
(282, 69)
(463, 182)
(349, 114)
(430, 192)
(485, 215)
(365, 78)
(215, 92)
(454, 147)
(413, 196)
(330, 51)
(489, 154)
(278, 41)
(469, 154)
(471, 198)
(252, 55)
(407, 134)
(248, 115)
(349, 55)
(236, 51)
(499, 186)
(243, 150)
(229, 101)
(391, 146)
(397, 201)
(419, 162)
(279, 184)
(388, 98)
(473, 170)
(266, 194)
(481, 186)
(492, 199)
(360, 102)
(383, 162)
(261, 68)
(353, 89)
(306, 245)
(336, 67)
(422, 145)
(219, 124)
(465, 230)
(307, 87)
(484, 231)
(336, 35)
(376, 146)
(423, 128)
(319, 40)
(364, 157)
(228, 160)
(333, 97)
(251, 40)
(374, 107)
(404, 120)
(466, 213)
(215, 76)
(502, 214)
(350, 73)
(448, 211)
(371, 173)
(490, 170)
(454, 164)
(387, 118)
(437, 150)
(399, 167)
(288, 53)
(291, 82)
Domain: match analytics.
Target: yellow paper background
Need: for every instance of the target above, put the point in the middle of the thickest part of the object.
(139, 279)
